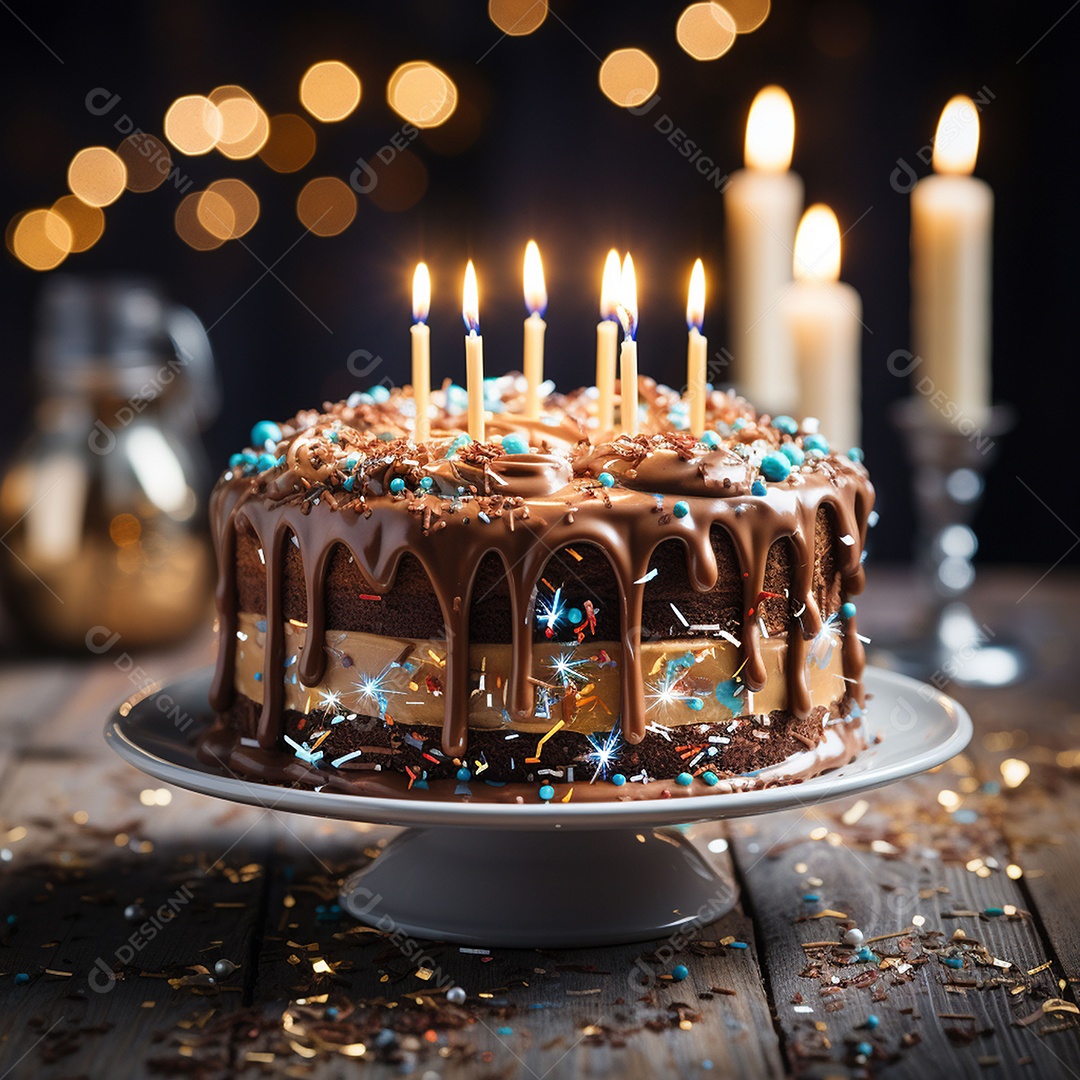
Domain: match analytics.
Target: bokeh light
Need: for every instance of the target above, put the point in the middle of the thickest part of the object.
(238, 214)
(326, 206)
(422, 94)
(244, 125)
(748, 14)
(97, 175)
(330, 90)
(193, 125)
(190, 229)
(517, 17)
(401, 183)
(706, 31)
(41, 239)
(629, 77)
(87, 223)
(290, 145)
(147, 160)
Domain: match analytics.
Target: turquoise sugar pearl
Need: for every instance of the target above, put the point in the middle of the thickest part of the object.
(856, 454)
(710, 778)
(575, 616)
(775, 467)
(606, 479)
(847, 611)
(680, 972)
(710, 439)
(463, 774)
(236, 461)
(427, 483)
(546, 792)
(266, 461)
(684, 779)
(739, 424)
(865, 1049)
(872, 1021)
(792, 453)
(397, 485)
(816, 442)
(515, 444)
(379, 393)
(618, 779)
(758, 488)
(265, 431)
(786, 424)
(681, 509)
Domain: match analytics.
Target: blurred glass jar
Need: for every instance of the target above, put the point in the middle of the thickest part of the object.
(101, 514)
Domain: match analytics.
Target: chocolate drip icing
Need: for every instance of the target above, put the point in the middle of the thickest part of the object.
(450, 543)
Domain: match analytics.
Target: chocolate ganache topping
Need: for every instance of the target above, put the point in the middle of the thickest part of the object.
(350, 475)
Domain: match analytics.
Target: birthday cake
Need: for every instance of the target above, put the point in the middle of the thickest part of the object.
(549, 615)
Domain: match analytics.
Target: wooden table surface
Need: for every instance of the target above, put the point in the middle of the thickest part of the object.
(969, 877)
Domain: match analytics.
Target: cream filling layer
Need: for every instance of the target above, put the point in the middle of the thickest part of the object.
(687, 681)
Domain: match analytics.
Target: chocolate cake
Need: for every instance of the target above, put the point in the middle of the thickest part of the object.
(553, 614)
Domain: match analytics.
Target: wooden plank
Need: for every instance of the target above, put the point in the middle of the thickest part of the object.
(555, 1013)
(923, 875)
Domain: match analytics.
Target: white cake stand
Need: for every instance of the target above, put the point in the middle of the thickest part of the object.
(542, 874)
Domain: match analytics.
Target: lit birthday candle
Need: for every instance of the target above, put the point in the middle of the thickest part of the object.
(607, 340)
(696, 350)
(421, 352)
(536, 302)
(474, 353)
(628, 358)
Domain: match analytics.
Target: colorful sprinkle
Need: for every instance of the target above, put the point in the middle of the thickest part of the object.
(680, 972)
(606, 480)
(266, 461)
(710, 439)
(684, 779)
(786, 424)
(710, 778)
(546, 792)
(775, 467)
(265, 431)
(681, 508)
(515, 444)
(739, 424)
(397, 485)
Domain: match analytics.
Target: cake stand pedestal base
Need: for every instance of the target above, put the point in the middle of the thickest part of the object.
(554, 889)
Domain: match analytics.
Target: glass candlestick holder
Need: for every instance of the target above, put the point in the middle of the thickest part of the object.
(949, 463)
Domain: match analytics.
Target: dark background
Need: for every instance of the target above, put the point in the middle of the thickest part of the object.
(536, 150)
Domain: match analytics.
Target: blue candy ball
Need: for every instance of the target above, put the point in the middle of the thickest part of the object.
(865, 1049)
(515, 444)
(427, 483)
(710, 778)
(379, 393)
(236, 461)
(758, 488)
(397, 485)
(618, 779)
(681, 509)
(775, 467)
(266, 461)
(575, 616)
(463, 774)
(684, 779)
(606, 479)
(680, 972)
(546, 792)
(786, 424)
(816, 442)
(847, 611)
(856, 454)
(265, 431)
(872, 1021)
(792, 453)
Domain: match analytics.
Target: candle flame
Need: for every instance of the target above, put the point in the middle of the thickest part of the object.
(627, 310)
(770, 131)
(956, 143)
(470, 300)
(695, 302)
(609, 289)
(421, 293)
(817, 245)
(536, 296)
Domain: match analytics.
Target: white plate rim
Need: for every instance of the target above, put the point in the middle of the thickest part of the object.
(931, 708)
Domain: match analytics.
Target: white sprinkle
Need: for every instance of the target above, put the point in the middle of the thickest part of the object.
(705, 629)
(848, 539)
(475, 952)
(804, 1008)
(762, 627)
(679, 615)
(296, 540)
(865, 640)
(515, 735)
(338, 762)
(262, 557)
(732, 638)
(648, 577)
